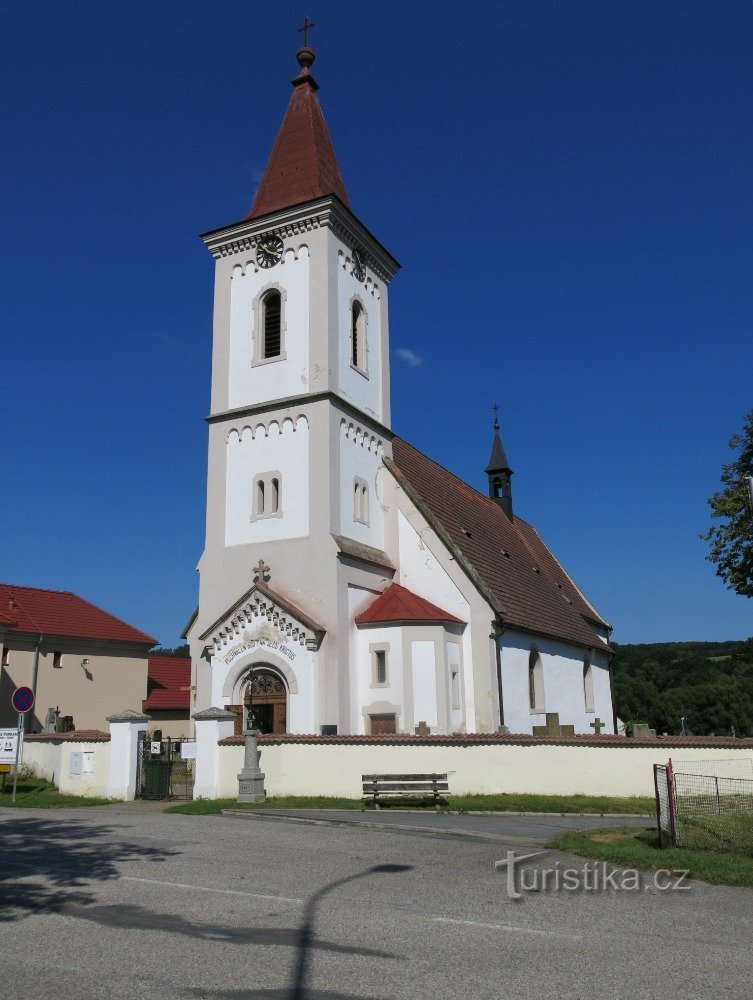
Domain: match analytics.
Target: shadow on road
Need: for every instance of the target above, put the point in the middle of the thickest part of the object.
(48, 863)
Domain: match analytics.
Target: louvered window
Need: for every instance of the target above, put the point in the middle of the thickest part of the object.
(272, 307)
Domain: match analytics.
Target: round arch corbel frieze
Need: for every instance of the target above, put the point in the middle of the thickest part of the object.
(258, 657)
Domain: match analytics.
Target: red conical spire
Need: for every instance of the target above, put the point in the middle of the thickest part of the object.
(302, 164)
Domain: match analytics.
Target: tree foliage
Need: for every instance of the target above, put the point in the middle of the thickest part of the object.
(711, 684)
(731, 542)
(180, 652)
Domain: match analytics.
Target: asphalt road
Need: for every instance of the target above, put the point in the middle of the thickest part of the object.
(115, 903)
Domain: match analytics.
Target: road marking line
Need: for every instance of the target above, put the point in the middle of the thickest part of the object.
(204, 888)
(500, 927)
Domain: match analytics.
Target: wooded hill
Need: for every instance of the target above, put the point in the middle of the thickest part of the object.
(711, 683)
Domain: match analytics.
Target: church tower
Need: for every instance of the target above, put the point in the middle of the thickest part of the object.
(298, 426)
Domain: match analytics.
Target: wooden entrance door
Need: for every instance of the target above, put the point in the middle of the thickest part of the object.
(267, 702)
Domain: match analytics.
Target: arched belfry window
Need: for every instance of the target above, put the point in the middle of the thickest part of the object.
(535, 681)
(358, 337)
(588, 685)
(266, 500)
(271, 308)
(497, 486)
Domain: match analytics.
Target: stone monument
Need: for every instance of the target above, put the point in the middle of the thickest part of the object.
(251, 778)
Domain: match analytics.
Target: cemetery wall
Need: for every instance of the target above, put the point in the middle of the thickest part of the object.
(76, 766)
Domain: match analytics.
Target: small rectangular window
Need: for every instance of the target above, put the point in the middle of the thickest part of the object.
(381, 667)
(57, 659)
(6, 657)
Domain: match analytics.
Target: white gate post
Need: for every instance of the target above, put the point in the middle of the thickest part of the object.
(212, 725)
(124, 744)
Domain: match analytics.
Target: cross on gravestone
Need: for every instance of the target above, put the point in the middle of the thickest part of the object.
(422, 729)
(261, 571)
(597, 725)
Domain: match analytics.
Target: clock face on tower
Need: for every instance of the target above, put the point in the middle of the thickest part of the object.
(268, 250)
(358, 264)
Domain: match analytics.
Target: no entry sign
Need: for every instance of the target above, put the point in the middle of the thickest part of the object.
(23, 700)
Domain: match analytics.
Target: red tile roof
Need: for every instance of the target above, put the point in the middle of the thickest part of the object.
(667, 743)
(302, 164)
(506, 558)
(61, 613)
(398, 604)
(168, 684)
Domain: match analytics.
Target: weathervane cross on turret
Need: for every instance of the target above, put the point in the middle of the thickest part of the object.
(495, 407)
(305, 29)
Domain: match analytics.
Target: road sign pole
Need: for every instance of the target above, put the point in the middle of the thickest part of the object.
(19, 737)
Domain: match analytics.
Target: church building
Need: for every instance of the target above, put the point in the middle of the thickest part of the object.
(350, 584)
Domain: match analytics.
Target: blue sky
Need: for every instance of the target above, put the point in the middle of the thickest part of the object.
(568, 189)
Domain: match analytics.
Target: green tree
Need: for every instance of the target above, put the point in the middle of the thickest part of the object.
(731, 542)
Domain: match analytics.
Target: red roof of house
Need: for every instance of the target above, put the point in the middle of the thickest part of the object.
(61, 613)
(398, 604)
(168, 684)
(302, 164)
(521, 578)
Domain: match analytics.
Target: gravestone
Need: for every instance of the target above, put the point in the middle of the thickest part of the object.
(642, 731)
(597, 725)
(422, 729)
(553, 727)
(251, 778)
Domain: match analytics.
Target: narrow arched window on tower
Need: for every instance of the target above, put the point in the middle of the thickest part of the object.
(497, 487)
(588, 684)
(274, 505)
(260, 498)
(535, 681)
(358, 337)
(271, 310)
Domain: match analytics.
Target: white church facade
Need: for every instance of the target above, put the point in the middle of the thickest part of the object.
(349, 584)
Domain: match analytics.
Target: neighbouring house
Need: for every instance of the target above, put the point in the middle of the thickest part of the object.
(168, 695)
(350, 584)
(83, 662)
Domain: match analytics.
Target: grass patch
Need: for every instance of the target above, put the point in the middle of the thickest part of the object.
(453, 803)
(636, 847)
(37, 793)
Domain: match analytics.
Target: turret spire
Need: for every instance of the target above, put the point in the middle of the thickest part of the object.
(302, 165)
(499, 472)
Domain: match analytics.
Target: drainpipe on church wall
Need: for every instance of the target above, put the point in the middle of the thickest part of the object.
(497, 632)
(34, 675)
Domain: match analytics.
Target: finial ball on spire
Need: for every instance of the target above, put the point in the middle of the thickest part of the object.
(305, 57)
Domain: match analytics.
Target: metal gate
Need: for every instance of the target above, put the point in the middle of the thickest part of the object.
(165, 768)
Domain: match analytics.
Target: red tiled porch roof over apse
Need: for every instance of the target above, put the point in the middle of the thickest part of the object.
(60, 612)
(398, 604)
(302, 164)
(168, 684)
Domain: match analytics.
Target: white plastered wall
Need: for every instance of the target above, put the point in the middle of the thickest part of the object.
(268, 447)
(361, 457)
(546, 769)
(362, 389)
(383, 699)
(563, 684)
(51, 759)
(422, 573)
(251, 383)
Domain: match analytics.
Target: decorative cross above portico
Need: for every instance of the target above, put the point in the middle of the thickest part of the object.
(261, 571)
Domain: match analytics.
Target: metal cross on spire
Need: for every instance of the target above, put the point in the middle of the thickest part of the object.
(496, 420)
(305, 30)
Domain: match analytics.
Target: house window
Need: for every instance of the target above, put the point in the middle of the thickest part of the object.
(455, 688)
(535, 681)
(360, 501)
(271, 308)
(588, 685)
(358, 337)
(266, 496)
(379, 675)
(57, 659)
(6, 657)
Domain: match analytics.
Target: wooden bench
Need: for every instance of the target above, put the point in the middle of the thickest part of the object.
(375, 785)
